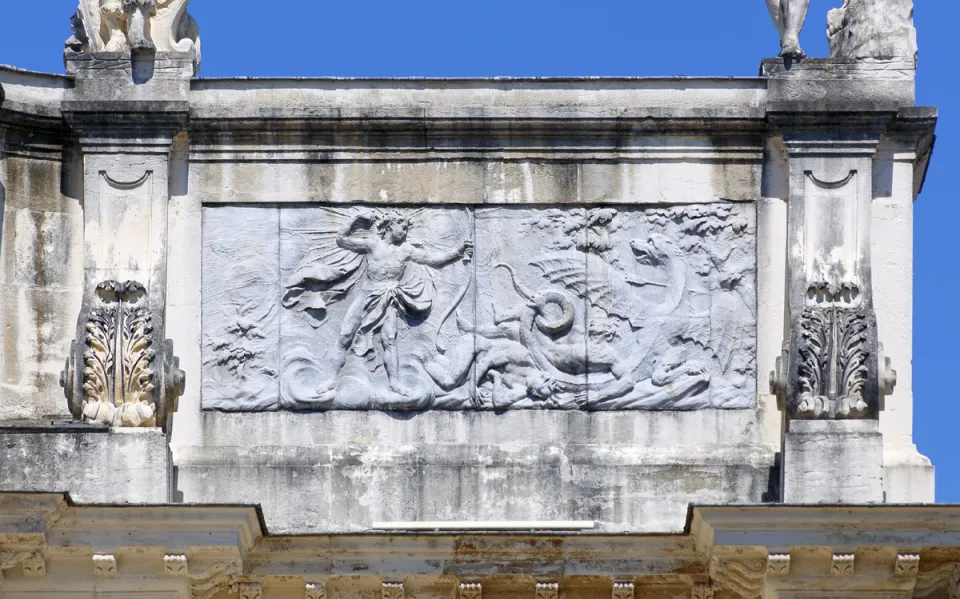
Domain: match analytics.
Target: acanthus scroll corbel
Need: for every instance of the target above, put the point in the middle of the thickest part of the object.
(120, 371)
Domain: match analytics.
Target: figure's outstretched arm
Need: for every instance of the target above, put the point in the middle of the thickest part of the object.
(346, 238)
(442, 258)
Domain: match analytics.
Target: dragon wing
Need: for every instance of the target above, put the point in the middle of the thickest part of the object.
(592, 278)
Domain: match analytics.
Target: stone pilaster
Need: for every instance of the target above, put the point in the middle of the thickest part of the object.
(832, 370)
(122, 371)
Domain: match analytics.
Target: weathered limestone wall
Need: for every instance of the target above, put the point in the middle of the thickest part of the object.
(41, 241)
(243, 168)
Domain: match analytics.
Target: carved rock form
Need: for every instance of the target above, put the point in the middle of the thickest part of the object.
(877, 29)
(126, 377)
(479, 309)
(138, 25)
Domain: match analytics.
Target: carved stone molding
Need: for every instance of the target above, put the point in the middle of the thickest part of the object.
(842, 564)
(105, 565)
(471, 590)
(250, 590)
(548, 590)
(34, 565)
(907, 565)
(10, 559)
(175, 565)
(702, 591)
(623, 590)
(315, 590)
(778, 564)
(119, 372)
(210, 581)
(744, 578)
(392, 590)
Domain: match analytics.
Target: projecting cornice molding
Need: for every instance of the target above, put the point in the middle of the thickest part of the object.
(725, 551)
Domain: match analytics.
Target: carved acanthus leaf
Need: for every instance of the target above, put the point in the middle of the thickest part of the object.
(548, 590)
(833, 357)
(842, 564)
(392, 590)
(907, 565)
(623, 590)
(778, 564)
(315, 590)
(129, 378)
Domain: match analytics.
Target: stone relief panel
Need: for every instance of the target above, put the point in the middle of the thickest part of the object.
(479, 308)
(241, 308)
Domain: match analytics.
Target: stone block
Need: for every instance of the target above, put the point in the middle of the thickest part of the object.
(833, 461)
(839, 84)
(93, 464)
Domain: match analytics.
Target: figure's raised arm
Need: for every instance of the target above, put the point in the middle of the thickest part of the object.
(346, 238)
(442, 258)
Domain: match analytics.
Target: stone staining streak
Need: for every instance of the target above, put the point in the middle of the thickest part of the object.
(778, 564)
(622, 590)
(105, 566)
(548, 590)
(175, 565)
(315, 590)
(842, 564)
(471, 590)
(404, 309)
(907, 565)
(392, 590)
(833, 370)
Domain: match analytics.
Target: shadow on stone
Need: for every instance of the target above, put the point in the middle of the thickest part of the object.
(143, 61)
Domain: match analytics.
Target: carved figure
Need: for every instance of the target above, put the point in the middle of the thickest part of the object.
(390, 289)
(120, 25)
(789, 16)
(618, 309)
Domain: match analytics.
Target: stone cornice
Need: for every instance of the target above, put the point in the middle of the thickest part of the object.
(728, 551)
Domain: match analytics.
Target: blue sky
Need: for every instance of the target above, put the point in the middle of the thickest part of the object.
(600, 37)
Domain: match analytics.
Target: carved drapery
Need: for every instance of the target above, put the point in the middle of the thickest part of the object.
(119, 373)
